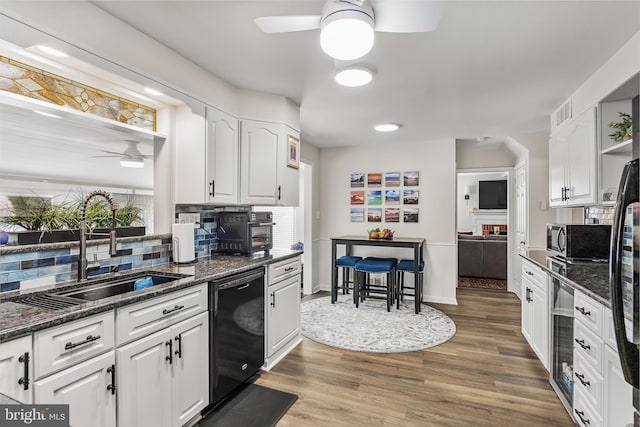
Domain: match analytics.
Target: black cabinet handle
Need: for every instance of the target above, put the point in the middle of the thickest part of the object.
(529, 273)
(212, 188)
(566, 193)
(170, 356)
(582, 380)
(580, 415)
(90, 338)
(279, 192)
(583, 311)
(24, 381)
(176, 308)
(563, 199)
(582, 344)
(273, 299)
(288, 269)
(112, 387)
(179, 350)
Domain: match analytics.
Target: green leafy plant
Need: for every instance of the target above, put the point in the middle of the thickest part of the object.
(622, 129)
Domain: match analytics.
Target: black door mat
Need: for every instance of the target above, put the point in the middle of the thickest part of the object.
(254, 406)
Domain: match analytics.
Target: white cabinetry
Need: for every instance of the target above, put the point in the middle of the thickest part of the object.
(163, 374)
(535, 310)
(601, 395)
(282, 309)
(16, 369)
(572, 162)
(206, 157)
(265, 177)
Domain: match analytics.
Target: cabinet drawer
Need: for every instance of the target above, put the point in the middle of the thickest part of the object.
(66, 345)
(283, 269)
(585, 414)
(589, 312)
(588, 382)
(141, 319)
(588, 345)
(534, 273)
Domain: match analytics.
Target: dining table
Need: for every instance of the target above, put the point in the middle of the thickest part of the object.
(415, 243)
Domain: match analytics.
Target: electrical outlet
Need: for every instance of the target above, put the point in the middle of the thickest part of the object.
(184, 218)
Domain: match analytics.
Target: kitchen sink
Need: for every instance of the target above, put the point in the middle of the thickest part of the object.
(119, 286)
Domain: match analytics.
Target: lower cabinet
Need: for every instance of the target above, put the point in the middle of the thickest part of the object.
(535, 310)
(163, 377)
(88, 388)
(16, 369)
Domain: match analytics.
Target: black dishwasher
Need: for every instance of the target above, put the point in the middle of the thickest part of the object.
(236, 315)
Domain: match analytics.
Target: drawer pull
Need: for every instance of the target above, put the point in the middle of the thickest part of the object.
(112, 387)
(90, 338)
(583, 311)
(582, 344)
(176, 308)
(580, 415)
(529, 273)
(582, 380)
(24, 381)
(273, 299)
(178, 352)
(170, 356)
(288, 269)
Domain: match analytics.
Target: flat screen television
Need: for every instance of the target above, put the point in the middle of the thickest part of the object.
(492, 194)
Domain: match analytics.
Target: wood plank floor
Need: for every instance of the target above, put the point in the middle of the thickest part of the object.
(486, 375)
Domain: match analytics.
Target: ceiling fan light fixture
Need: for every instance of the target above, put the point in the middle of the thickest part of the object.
(387, 127)
(347, 34)
(132, 163)
(354, 76)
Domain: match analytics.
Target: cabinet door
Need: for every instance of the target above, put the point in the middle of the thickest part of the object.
(618, 394)
(259, 155)
(540, 323)
(190, 157)
(190, 377)
(144, 382)
(13, 369)
(288, 177)
(526, 309)
(283, 318)
(557, 154)
(222, 160)
(84, 388)
(581, 146)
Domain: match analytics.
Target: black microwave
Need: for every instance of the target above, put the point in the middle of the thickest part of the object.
(579, 241)
(245, 232)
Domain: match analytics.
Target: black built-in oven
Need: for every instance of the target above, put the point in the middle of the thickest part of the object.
(236, 316)
(245, 232)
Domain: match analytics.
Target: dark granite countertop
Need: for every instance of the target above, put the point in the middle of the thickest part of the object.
(590, 278)
(18, 319)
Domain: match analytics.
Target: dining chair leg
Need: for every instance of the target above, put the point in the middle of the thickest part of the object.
(356, 287)
(345, 275)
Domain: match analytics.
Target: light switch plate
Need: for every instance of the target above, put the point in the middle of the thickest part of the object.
(193, 217)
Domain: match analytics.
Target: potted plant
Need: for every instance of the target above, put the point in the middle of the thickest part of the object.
(44, 222)
(622, 129)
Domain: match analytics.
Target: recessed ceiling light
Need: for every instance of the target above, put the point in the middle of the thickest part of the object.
(354, 76)
(42, 113)
(387, 127)
(131, 163)
(52, 51)
(347, 35)
(152, 91)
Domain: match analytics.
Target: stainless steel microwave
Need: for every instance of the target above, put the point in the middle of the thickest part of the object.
(245, 232)
(578, 241)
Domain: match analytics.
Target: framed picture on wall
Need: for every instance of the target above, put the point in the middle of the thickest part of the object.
(410, 197)
(374, 179)
(411, 178)
(357, 180)
(374, 197)
(392, 196)
(293, 152)
(374, 214)
(392, 214)
(357, 197)
(392, 179)
(357, 214)
(410, 215)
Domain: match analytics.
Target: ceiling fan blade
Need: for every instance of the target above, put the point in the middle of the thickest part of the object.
(407, 16)
(112, 152)
(100, 157)
(287, 24)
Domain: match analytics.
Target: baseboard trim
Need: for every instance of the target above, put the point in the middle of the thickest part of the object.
(440, 300)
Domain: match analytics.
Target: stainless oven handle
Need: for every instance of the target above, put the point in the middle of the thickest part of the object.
(261, 224)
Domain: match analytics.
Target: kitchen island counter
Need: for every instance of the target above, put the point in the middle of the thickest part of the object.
(19, 319)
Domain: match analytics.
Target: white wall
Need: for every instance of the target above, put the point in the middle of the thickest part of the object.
(435, 160)
(466, 207)
(311, 155)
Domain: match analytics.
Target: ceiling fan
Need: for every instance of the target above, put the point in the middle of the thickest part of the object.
(129, 158)
(347, 26)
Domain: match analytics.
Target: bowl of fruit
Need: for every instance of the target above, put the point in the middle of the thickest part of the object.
(385, 234)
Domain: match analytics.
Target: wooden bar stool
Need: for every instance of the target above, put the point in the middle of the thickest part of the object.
(347, 263)
(406, 266)
(372, 265)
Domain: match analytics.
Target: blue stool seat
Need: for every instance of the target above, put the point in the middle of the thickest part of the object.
(347, 261)
(372, 265)
(407, 265)
(369, 265)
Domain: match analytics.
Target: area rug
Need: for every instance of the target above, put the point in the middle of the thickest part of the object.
(370, 328)
(254, 406)
(480, 283)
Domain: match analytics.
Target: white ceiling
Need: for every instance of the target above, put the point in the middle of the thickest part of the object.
(492, 68)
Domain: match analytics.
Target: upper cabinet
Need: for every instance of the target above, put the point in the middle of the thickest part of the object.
(265, 177)
(222, 156)
(572, 162)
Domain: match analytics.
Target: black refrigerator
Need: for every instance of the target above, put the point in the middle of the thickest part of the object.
(625, 266)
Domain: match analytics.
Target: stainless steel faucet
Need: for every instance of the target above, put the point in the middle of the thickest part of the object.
(82, 261)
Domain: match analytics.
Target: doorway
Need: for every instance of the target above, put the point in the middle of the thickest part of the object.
(304, 225)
